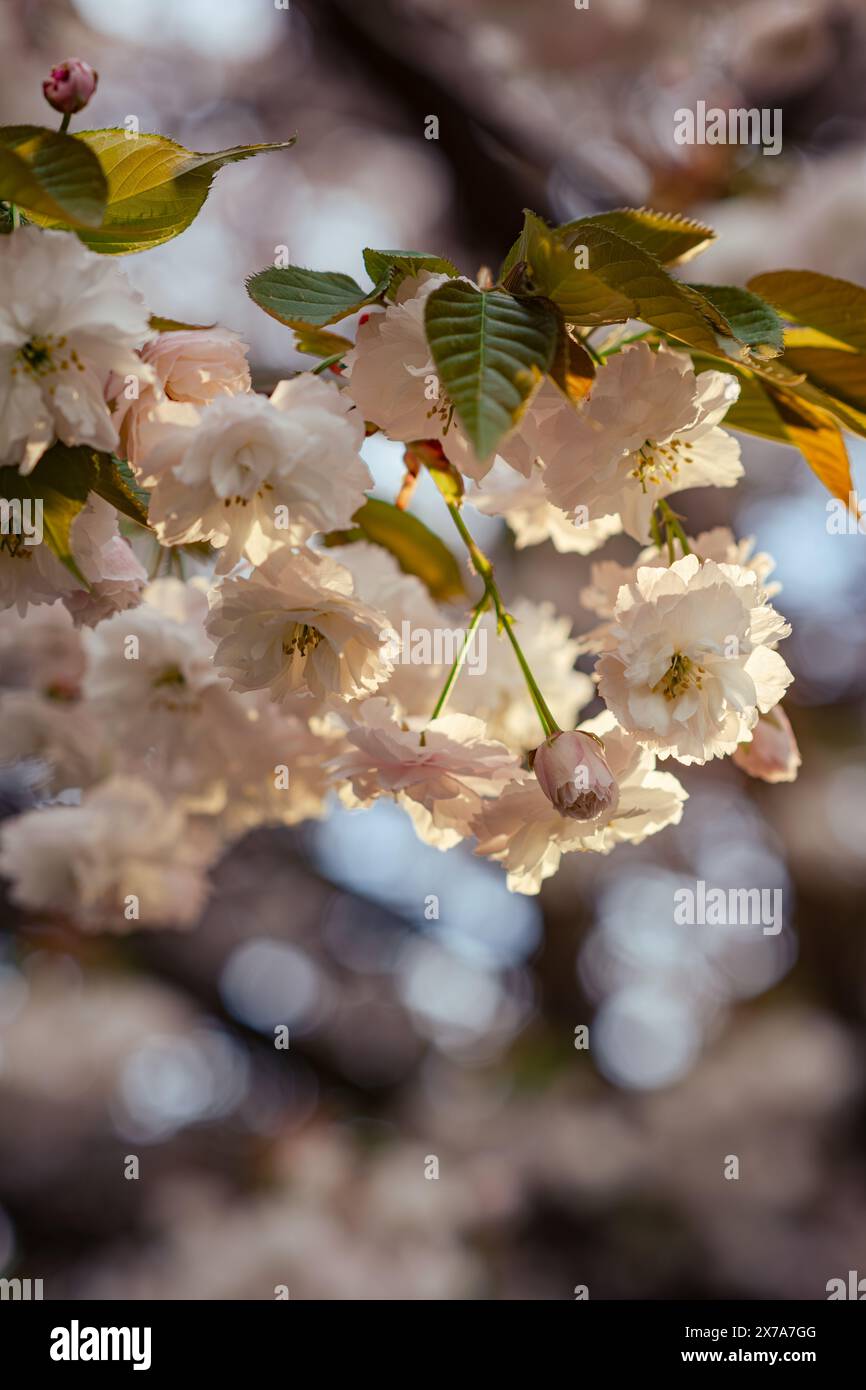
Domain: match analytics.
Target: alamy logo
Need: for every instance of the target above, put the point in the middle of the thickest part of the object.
(22, 517)
(738, 126)
(855, 1288)
(21, 1290)
(736, 907)
(76, 1343)
(438, 646)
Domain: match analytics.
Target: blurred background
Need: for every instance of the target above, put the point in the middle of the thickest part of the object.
(454, 1039)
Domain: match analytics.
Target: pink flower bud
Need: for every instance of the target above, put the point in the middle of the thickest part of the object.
(70, 86)
(772, 755)
(573, 773)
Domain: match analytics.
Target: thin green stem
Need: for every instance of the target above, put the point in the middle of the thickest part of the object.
(504, 620)
(16, 215)
(64, 124)
(457, 665)
(664, 515)
(328, 362)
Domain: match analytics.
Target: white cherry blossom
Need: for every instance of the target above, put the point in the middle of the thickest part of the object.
(124, 856)
(440, 772)
(690, 662)
(525, 505)
(295, 626)
(649, 428)
(190, 366)
(69, 319)
(253, 474)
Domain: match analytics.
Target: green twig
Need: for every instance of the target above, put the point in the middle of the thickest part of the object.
(327, 362)
(504, 620)
(457, 665)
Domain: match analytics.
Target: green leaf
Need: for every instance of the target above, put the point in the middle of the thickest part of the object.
(160, 325)
(318, 342)
(835, 307)
(60, 481)
(156, 188)
(414, 546)
(491, 350)
(659, 299)
(667, 236)
(300, 297)
(51, 175)
(395, 266)
(580, 295)
(115, 481)
(752, 320)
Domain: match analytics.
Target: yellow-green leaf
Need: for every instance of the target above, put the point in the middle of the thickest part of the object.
(161, 325)
(819, 439)
(554, 271)
(51, 176)
(835, 307)
(659, 299)
(318, 342)
(414, 546)
(669, 237)
(842, 374)
(572, 369)
(156, 188)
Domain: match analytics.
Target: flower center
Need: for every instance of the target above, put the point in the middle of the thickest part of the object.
(172, 675)
(681, 674)
(172, 692)
(300, 638)
(38, 357)
(659, 463)
(15, 547)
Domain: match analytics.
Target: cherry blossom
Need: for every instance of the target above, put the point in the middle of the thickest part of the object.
(691, 662)
(253, 474)
(122, 857)
(295, 626)
(439, 772)
(190, 367)
(649, 428)
(68, 320)
(523, 830)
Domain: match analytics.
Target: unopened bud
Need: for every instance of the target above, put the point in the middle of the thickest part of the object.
(572, 772)
(772, 755)
(70, 86)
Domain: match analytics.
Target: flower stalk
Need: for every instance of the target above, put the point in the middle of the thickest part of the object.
(504, 620)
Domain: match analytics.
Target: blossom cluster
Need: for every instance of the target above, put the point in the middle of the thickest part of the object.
(166, 717)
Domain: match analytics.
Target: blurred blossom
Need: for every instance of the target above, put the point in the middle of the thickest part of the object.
(170, 1082)
(232, 29)
(376, 852)
(267, 983)
(452, 1002)
(644, 1038)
